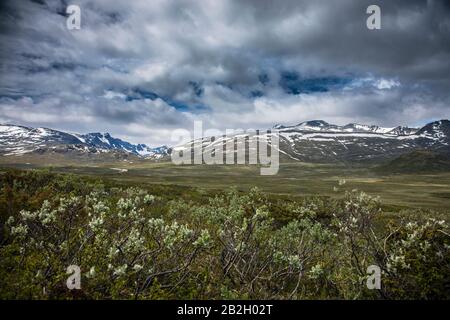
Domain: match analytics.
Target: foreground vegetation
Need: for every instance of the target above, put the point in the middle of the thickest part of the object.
(161, 242)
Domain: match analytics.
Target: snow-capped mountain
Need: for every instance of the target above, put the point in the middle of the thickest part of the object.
(106, 142)
(355, 142)
(310, 141)
(438, 130)
(322, 126)
(17, 140)
(319, 141)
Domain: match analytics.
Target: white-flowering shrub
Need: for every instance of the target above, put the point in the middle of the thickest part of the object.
(132, 244)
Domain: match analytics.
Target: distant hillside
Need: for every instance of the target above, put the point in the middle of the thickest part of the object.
(318, 141)
(417, 161)
(313, 141)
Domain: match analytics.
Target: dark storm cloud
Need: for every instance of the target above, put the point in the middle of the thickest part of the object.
(140, 68)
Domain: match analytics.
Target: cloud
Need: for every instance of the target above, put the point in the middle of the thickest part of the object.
(139, 69)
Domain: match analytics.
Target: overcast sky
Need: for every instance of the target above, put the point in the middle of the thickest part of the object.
(142, 68)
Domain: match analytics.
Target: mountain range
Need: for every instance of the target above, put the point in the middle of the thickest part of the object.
(310, 141)
(18, 140)
(319, 141)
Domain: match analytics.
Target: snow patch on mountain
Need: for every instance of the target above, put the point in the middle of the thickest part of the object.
(18, 140)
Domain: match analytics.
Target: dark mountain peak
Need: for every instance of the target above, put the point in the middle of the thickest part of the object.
(444, 123)
(352, 125)
(403, 131)
(278, 126)
(314, 123)
(437, 129)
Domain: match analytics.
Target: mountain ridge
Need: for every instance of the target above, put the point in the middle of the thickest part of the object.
(321, 125)
(319, 141)
(18, 139)
(308, 141)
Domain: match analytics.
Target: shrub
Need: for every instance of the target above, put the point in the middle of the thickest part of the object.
(132, 244)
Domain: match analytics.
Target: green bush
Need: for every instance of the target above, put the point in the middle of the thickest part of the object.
(134, 243)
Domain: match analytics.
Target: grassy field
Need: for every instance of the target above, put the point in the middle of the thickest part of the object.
(297, 179)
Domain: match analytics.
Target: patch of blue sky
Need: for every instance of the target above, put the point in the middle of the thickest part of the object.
(293, 83)
(138, 94)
